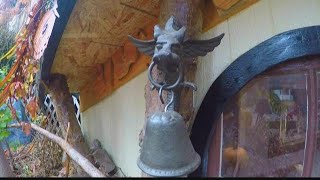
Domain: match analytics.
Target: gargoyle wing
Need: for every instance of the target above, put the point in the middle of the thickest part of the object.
(195, 48)
(146, 47)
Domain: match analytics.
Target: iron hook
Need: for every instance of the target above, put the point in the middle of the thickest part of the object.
(171, 101)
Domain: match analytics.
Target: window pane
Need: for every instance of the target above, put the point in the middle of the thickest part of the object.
(264, 128)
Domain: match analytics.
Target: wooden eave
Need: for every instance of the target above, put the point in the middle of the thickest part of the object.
(49, 53)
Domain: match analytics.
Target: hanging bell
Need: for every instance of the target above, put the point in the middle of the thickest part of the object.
(167, 149)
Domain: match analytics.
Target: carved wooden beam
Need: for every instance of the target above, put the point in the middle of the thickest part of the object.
(217, 11)
(125, 64)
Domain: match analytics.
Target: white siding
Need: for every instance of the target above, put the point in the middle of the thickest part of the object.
(116, 121)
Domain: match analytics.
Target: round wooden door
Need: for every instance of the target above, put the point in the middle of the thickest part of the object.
(271, 127)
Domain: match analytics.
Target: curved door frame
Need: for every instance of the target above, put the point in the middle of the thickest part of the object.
(280, 48)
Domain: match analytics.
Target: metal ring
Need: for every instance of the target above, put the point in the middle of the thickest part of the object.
(169, 87)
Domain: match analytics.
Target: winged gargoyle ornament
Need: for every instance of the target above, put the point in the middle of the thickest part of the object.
(169, 46)
(170, 51)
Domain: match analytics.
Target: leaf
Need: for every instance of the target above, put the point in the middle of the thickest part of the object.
(11, 88)
(2, 111)
(30, 78)
(17, 88)
(32, 108)
(3, 125)
(5, 115)
(6, 120)
(26, 86)
(4, 134)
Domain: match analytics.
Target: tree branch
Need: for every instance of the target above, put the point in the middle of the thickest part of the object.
(73, 154)
(68, 157)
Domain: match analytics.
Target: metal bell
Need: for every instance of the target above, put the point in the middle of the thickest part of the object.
(167, 149)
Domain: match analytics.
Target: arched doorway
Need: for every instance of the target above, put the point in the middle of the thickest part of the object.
(290, 45)
(270, 124)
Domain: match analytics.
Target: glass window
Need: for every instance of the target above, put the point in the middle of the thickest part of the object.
(264, 128)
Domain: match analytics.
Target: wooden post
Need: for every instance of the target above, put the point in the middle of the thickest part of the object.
(188, 14)
(63, 104)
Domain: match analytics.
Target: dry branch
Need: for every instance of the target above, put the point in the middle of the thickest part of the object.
(73, 154)
(68, 157)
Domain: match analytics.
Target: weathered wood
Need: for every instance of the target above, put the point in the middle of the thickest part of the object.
(63, 104)
(217, 11)
(280, 48)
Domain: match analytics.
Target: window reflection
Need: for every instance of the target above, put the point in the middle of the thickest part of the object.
(264, 128)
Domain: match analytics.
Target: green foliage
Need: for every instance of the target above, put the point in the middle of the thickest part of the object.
(5, 113)
(26, 171)
(6, 40)
(14, 145)
(9, 29)
(275, 103)
(5, 118)
(3, 72)
(277, 106)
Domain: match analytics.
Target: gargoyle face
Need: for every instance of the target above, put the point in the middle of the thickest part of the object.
(168, 48)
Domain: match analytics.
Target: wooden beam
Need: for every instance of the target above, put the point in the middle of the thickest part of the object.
(125, 64)
(217, 11)
(224, 4)
(64, 107)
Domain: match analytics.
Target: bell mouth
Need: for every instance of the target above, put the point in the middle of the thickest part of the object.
(169, 172)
